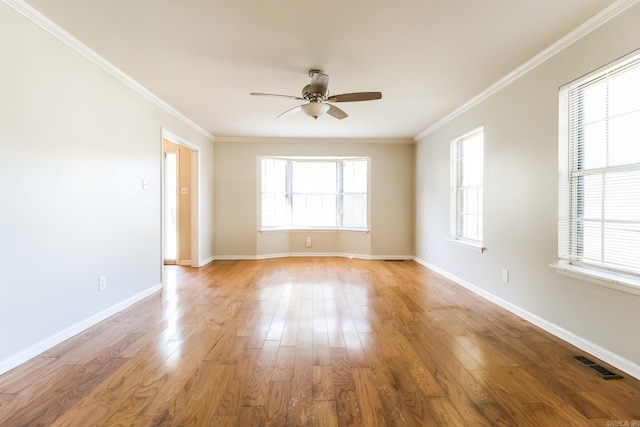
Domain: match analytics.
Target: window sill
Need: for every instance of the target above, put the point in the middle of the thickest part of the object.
(618, 282)
(467, 244)
(312, 229)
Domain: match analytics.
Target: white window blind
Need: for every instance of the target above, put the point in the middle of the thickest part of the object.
(466, 187)
(314, 193)
(599, 182)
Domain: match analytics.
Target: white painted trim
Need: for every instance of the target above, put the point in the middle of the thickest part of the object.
(391, 257)
(204, 262)
(312, 230)
(312, 255)
(466, 244)
(254, 139)
(602, 353)
(618, 282)
(179, 140)
(46, 24)
(607, 14)
(44, 345)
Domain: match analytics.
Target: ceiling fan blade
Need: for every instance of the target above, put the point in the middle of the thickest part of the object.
(274, 94)
(319, 84)
(336, 112)
(290, 112)
(353, 97)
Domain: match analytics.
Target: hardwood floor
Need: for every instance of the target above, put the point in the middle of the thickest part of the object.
(313, 342)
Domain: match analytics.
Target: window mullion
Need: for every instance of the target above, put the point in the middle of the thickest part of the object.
(604, 175)
(340, 193)
(289, 190)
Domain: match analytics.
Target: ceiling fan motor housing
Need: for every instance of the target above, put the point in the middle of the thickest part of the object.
(306, 94)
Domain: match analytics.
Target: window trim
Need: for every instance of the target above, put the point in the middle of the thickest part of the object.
(453, 188)
(619, 282)
(468, 244)
(610, 278)
(339, 192)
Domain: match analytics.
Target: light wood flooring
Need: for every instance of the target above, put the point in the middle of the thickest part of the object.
(313, 342)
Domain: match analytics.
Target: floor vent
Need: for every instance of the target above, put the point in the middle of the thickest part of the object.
(600, 370)
(584, 360)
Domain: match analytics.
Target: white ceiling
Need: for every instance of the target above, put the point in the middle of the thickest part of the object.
(427, 57)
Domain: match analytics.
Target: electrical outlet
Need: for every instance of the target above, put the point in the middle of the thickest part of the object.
(308, 242)
(505, 275)
(102, 283)
(430, 248)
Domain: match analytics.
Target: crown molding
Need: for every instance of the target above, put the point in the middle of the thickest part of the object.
(253, 139)
(605, 15)
(52, 28)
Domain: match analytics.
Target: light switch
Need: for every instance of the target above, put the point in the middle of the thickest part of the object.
(144, 184)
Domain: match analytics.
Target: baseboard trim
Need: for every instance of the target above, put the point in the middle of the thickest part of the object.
(311, 255)
(601, 353)
(204, 262)
(44, 345)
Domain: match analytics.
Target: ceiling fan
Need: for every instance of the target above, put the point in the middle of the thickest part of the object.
(317, 95)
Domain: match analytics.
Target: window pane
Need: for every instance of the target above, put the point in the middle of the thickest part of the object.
(355, 176)
(329, 211)
(624, 92)
(471, 165)
(591, 201)
(471, 202)
(314, 177)
(622, 198)
(354, 210)
(274, 175)
(471, 227)
(594, 146)
(314, 210)
(622, 245)
(624, 139)
(592, 102)
(590, 246)
(299, 210)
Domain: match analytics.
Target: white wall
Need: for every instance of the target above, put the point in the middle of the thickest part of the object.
(236, 198)
(520, 206)
(75, 144)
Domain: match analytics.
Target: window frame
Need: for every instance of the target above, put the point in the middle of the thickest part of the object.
(339, 193)
(456, 188)
(571, 191)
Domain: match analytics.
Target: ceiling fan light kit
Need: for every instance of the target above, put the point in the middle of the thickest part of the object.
(318, 99)
(315, 109)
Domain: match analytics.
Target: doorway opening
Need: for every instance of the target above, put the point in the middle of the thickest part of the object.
(180, 202)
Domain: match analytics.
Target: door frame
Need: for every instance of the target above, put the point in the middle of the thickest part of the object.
(195, 199)
(177, 207)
